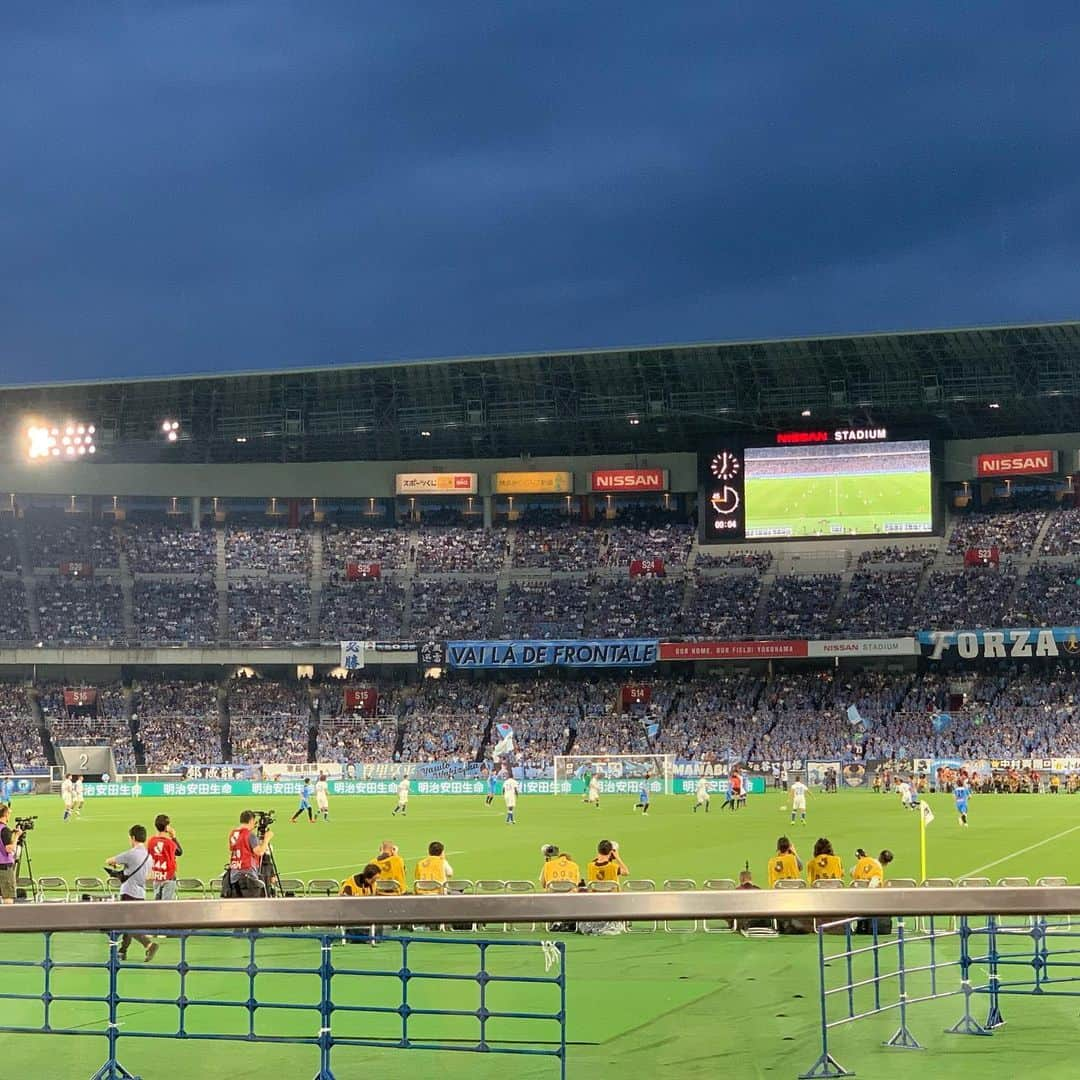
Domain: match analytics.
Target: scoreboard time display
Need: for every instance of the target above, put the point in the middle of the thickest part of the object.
(816, 483)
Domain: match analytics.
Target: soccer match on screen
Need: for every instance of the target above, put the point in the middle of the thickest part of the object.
(539, 541)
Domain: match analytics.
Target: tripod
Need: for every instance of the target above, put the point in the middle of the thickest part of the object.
(268, 872)
(24, 852)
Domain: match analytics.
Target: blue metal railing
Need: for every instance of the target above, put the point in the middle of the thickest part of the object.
(394, 996)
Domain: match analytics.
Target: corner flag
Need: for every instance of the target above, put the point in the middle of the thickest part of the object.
(927, 813)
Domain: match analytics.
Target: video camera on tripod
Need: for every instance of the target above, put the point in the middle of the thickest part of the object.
(263, 820)
(25, 824)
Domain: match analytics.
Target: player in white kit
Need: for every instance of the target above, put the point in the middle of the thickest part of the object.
(510, 794)
(593, 794)
(80, 796)
(402, 797)
(67, 794)
(702, 795)
(798, 792)
(322, 797)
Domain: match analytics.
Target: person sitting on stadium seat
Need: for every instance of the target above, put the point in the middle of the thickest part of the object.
(390, 864)
(362, 884)
(825, 865)
(558, 866)
(434, 866)
(867, 868)
(785, 865)
(607, 866)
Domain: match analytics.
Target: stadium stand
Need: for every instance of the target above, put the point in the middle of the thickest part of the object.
(175, 611)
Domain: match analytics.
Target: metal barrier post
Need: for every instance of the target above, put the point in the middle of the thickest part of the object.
(112, 1069)
(993, 1015)
(326, 1009)
(902, 1037)
(967, 1024)
(826, 1064)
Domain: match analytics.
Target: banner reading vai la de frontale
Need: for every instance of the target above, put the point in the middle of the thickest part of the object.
(1012, 644)
(602, 652)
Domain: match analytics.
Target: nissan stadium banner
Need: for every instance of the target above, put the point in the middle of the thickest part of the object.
(1016, 463)
(532, 483)
(1015, 644)
(602, 652)
(787, 649)
(433, 483)
(615, 481)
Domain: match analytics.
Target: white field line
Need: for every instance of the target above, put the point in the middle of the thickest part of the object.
(1022, 851)
(346, 866)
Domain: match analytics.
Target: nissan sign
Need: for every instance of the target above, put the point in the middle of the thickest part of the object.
(610, 480)
(1017, 463)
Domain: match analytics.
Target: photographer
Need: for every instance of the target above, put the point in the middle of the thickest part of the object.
(164, 850)
(246, 850)
(9, 848)
(132, 868)
(607, 866)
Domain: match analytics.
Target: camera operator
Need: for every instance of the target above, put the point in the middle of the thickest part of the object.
(164, 850)
(246, 850)
(9, 849)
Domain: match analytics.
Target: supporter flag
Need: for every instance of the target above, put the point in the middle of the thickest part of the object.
(855, 717)
(941, 721)
(505, 745)
(653, 730)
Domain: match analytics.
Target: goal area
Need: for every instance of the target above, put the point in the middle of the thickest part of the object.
(617, 773)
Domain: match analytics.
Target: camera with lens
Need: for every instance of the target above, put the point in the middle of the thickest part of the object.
(263, 820)
(25, 824)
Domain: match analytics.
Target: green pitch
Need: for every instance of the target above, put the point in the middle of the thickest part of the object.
(641, 1005)
(859, 505)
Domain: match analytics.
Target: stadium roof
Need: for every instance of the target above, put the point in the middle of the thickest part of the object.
(961, 383)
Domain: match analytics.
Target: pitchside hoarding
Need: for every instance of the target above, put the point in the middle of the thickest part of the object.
(435, 483)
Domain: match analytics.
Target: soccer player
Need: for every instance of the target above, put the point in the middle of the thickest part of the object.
(492, 788)
(402, 798)
(785, 865)
(78, 797)
(642, 803)
(322, 797)
(558, 866)
(391, 865)
(67, 794)
(908, 796)
(587, 779)
(510, 794)
(607, 866)
(433, 867)
(798, 792)
(702, 796)
(593, 793)
(305, 803)
(825, 865)
(733, 796)
(960, 795)
(164, 850)
(867, 868)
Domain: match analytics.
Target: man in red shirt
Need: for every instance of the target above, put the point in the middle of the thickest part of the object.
(164, 851)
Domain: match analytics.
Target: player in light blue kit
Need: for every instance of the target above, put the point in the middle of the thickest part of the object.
(305, 803)
(960, 795)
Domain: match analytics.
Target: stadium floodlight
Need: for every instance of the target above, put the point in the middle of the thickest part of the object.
(70, 440)
(170, 429)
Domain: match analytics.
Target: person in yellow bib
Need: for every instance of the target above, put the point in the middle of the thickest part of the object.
(558, 866)
(434, 866)
(825, 865)
(867, 868)
(362, 884)
(391, 865)
(785, 865)
(607, 866)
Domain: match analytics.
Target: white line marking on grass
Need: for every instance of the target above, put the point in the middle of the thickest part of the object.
(1022, 851)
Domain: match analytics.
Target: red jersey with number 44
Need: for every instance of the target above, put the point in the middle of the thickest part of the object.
(162, 851)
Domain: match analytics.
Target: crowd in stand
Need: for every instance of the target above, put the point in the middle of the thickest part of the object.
(1048, 595)
(14, 619)
(178, 722)
(799, 605)
(447, 608)
(638, 607)
(622, 543)
(19, 727)
(53, 539)
(183, 611)
(362, 609)
(543, 713)
(878, 602)
(758, 561)
(554, 608)
(88, 610)
(1063, 533)
(263, 610)
(459, 550)
(972, 598)
(722, 605)
(9, 550)
(352, 737)
(1011, 530)
(446, 719)
(154, 548)
(559, 547)
(277, 550)
(269, 721)
(892, 553)
(343, 544)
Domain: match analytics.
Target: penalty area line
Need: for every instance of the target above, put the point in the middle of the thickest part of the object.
(1022, 851)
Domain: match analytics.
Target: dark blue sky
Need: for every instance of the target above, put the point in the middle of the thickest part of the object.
(221, 185)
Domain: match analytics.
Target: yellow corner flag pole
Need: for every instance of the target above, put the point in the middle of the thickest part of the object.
(922, 842)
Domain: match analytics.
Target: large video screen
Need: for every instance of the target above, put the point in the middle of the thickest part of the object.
(863, 489)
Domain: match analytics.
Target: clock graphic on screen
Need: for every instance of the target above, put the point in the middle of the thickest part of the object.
(725, 465)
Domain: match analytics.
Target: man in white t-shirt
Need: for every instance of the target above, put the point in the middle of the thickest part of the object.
(798, 792)
(702, 796)
(402, 797)
(67, 794)
(510, 794)
(322, 797)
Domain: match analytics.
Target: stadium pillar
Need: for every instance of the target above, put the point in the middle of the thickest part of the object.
(488, 511)
(196, 512)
